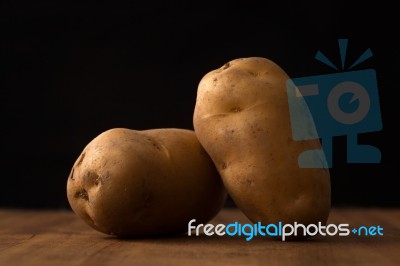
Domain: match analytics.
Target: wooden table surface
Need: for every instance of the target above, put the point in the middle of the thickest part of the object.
(60, 238)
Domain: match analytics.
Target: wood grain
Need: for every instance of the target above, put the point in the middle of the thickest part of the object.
(60, 238)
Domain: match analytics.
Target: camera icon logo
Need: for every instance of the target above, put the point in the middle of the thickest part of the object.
(344, 103)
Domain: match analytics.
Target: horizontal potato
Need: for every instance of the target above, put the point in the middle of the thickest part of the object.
(138, 183)
(242, 120)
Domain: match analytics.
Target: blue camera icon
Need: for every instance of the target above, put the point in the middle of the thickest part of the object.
(324, 106)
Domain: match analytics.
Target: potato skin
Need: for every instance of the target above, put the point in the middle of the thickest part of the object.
(242, 120)
(139, 183)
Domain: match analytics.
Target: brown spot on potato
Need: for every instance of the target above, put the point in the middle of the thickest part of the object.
(71, 175)
(81, 159)
(156, 146)
(90, 177)
(227, 65)
(154, 143)
(97, 181)
(236, 109)
(224, 166)
(249, 182)
(254, 74)
(82, 194)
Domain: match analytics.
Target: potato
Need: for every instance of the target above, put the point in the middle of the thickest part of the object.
(242, 120)
(139, 183)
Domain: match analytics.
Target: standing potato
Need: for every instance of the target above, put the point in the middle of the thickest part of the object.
(242, 120)
(140, 183)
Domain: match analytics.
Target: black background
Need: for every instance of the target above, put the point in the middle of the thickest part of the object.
(71, 71)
